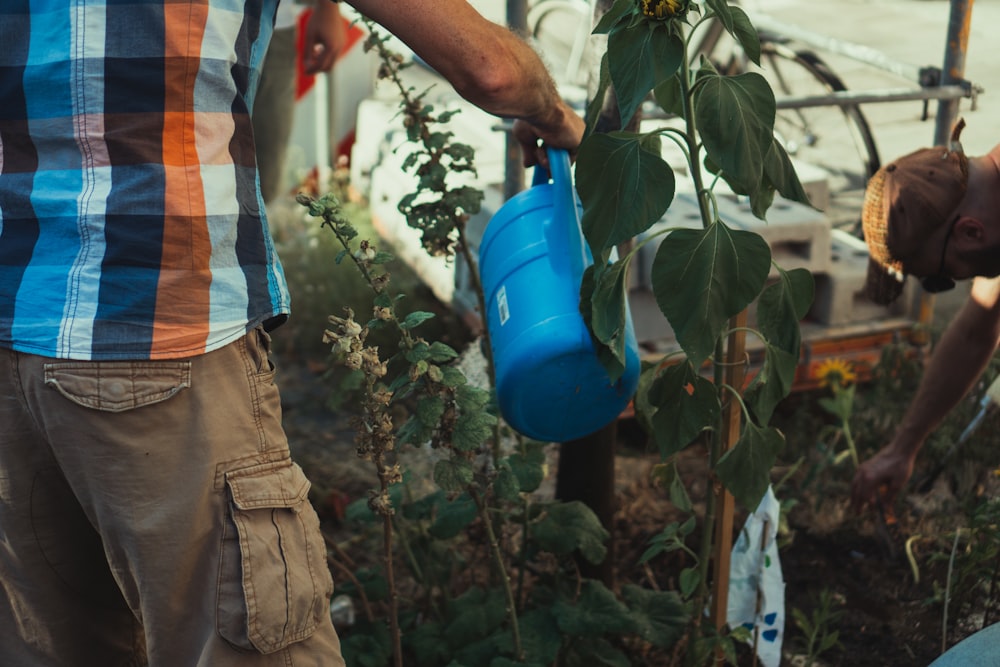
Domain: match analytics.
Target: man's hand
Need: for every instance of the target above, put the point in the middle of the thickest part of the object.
(567, 133)
(325, 38)
(881, 477)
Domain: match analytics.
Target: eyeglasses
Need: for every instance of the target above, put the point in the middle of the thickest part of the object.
(940, 282)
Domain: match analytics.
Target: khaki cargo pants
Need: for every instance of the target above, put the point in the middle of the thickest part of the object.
(150, 514)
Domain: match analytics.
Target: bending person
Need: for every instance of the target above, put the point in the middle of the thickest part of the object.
(934, 214)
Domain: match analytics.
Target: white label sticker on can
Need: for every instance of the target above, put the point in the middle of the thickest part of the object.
(502, 305)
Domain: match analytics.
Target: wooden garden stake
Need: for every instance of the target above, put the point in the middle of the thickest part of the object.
(725, 504)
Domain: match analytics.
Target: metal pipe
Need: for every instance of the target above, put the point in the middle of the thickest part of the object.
(848, 98)
(953, 70)
(517, 21)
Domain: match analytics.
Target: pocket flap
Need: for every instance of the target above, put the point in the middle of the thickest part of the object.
(116, 386)
(268, 485)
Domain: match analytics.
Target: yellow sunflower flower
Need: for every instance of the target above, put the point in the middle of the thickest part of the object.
(835, 372)
(661, 9)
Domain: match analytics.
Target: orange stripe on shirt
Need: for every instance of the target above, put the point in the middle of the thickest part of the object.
(182, 295)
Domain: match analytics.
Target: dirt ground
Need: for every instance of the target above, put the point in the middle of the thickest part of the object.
(886, 617)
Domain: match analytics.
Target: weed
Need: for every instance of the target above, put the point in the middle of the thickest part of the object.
(818, 627)
(971, 590)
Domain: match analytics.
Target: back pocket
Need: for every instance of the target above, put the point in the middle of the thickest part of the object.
(274, 583)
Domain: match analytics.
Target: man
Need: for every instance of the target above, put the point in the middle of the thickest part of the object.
(324, 37)
(149, 509)
(935, 214)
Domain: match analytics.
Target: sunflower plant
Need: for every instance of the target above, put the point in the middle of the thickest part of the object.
(839, 377)
(701, 277)
(704, 278)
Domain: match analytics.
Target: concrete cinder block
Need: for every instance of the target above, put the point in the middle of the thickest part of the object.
(799, 236)
(840, 297)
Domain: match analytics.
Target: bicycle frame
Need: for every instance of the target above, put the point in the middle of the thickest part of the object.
(945, 84)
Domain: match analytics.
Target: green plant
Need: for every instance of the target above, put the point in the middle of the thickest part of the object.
(819, 635)
(439, 617)
(532, 607)
(972, 581)
(839, 378)
(308, 253)
(703, 279)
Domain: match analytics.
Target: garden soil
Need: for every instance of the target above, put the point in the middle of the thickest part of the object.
(887, 616)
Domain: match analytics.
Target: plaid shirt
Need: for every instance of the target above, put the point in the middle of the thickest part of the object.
(131, 226)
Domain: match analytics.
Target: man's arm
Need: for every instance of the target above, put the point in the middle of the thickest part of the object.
(959, 358)
(486, 64)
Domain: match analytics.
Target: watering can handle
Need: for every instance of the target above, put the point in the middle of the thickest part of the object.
(566, 237)
(558, 169)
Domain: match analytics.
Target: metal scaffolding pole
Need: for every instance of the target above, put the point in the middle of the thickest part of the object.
(953, 70)
(513, 182)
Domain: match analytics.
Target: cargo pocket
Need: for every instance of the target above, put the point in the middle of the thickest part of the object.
(274, 584)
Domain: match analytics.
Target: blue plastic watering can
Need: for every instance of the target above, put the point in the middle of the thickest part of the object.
(550, 385)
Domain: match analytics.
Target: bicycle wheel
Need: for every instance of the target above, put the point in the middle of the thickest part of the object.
(836, 139)
(561, 32)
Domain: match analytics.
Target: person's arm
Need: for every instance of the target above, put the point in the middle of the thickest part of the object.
(325, 37)
(956, 363)
(486, 64)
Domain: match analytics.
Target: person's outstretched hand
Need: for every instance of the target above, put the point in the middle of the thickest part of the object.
(325, 38)
(881, 477)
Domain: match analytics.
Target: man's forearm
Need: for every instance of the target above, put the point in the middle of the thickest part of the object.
(956, 363)
(486, 63)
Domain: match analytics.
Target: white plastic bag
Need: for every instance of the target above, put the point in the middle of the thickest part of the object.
(756, 586)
